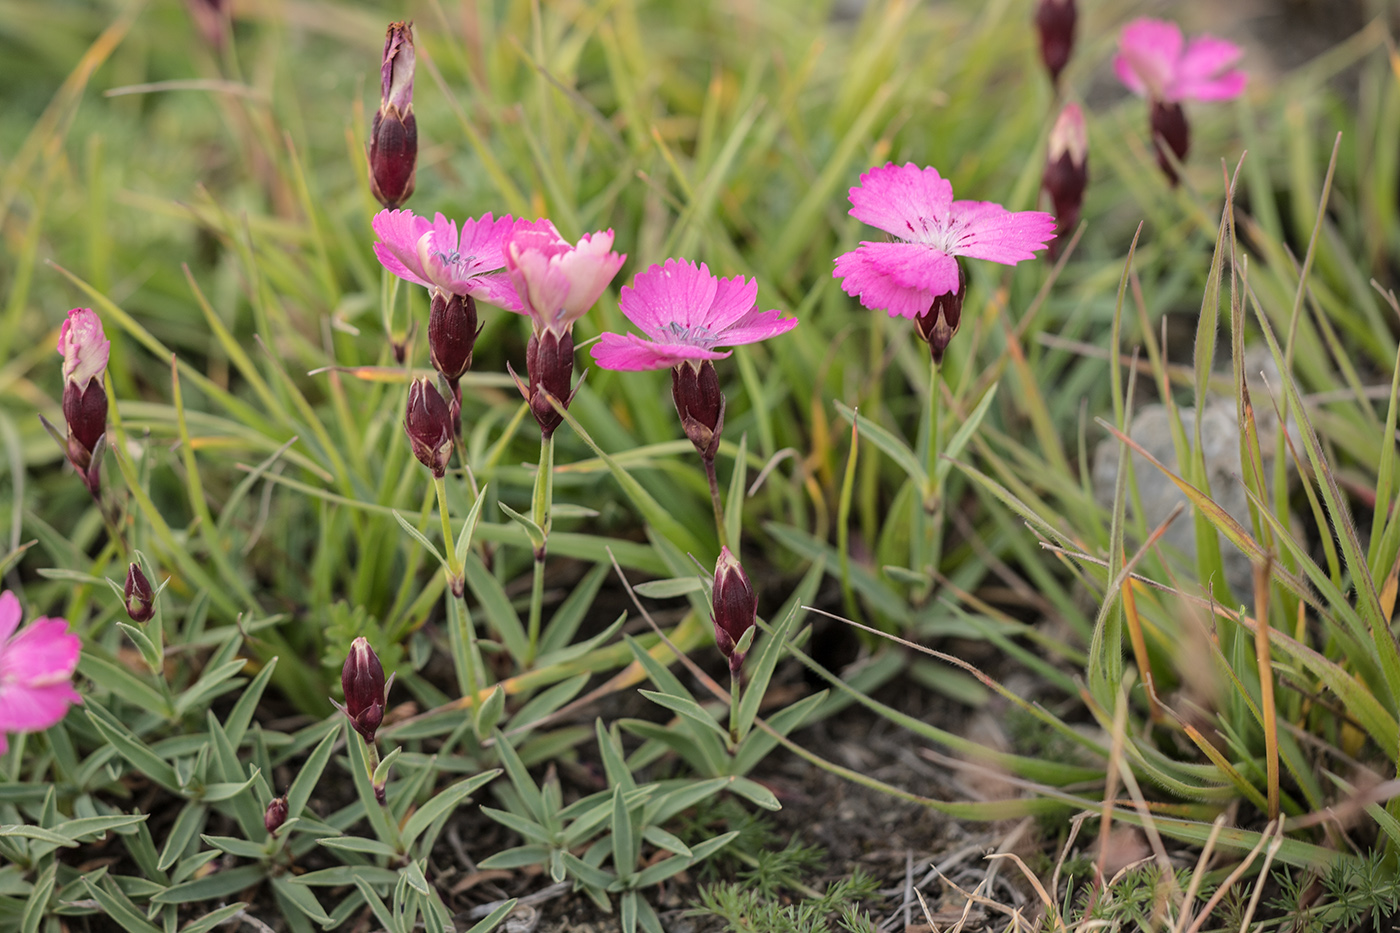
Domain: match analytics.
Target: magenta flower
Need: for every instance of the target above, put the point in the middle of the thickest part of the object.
(558, 282)
(907, 277)
(36, 670)
(686, 313)
(434, 255)
(1155, 62)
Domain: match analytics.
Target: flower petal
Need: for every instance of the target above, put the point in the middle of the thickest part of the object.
(399, 233)
(986, 230)
(1204, 71)
(904, 200)
(43, 653)
(632, 353)
(734, 299)
(674, 292)
(84, 346)
(10, 614)
(589, 266)
(484, 239)
(1149, 49)
(496, 289)
(755, 326)
(901, 278)
(29, 709)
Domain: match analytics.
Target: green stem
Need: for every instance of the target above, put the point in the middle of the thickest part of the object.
(454, 567)
(734, 709)
(934, 441)
(931, 519)
(462, 635)
(715, 501)
(542, 506)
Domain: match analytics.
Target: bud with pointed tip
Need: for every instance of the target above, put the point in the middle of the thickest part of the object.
(428, 424)
(940, 322)
(85, 350)
(1067, 171)
(549, 365)
(393, 146)
(138, 595)
(700, 404)
(275, 814)
(452, 334)
(1169, 126)
(362, 679)
(735, 607)
(1054, 20)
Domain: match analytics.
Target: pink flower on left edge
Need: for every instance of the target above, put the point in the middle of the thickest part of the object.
(1156, 62)
(686, 313)
(918, 276)
(433, 254)
(36, 671)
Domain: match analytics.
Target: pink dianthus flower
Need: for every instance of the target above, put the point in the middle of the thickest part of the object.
(918, 276)
(1156, 62)
(36, 670)
(434, 255)
(686, 313)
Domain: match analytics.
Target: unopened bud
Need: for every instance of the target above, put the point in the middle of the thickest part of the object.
(1054, 20)
(735, 607)
(549, 364)
(428, 423)
(393, 147)
(275, 814)
(138, 595)
(940, 322)
(452, 334)
(1067, 171)
(362, 679)
(1169, 126)
(85, 349)
(700, 404)
(85, 410)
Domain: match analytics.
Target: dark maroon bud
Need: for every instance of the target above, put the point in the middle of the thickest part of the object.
(452, 334)
(362, 679)
(1067, 172)
(85, 410)
(735, 607)
(275, 814)
(549, 364)
(379, 796)
(393, 146)
(1169, 126)
(940, 322)
(138, 595)
(700, 404)
(428, 424)
(1054, 19)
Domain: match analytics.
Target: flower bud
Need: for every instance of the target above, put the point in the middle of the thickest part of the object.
(137, 595)
(1067, 171)
(700, 404)
(940, 322)
(393, 146)
(428, 423)
(275, 814)
(1054, 19)
(452, 334)
(85, 350)
(549, 365)
(735, 607)
(362, 679)
(1169, 126)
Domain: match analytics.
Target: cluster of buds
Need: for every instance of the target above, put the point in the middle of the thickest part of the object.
(700, 404)
(428, 423)
(85, 349)
(1066, 171)
(1055, 20)
(393, 145)
(366, 692)
(735, 609)
(137, 595)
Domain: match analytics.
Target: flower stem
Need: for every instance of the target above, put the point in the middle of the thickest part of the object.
(929, 520)
(734, 709)
(715, 501)
(542, 506)
(462, 636)
(454, 568)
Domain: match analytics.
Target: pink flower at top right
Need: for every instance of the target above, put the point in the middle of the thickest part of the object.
(1155, 61)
